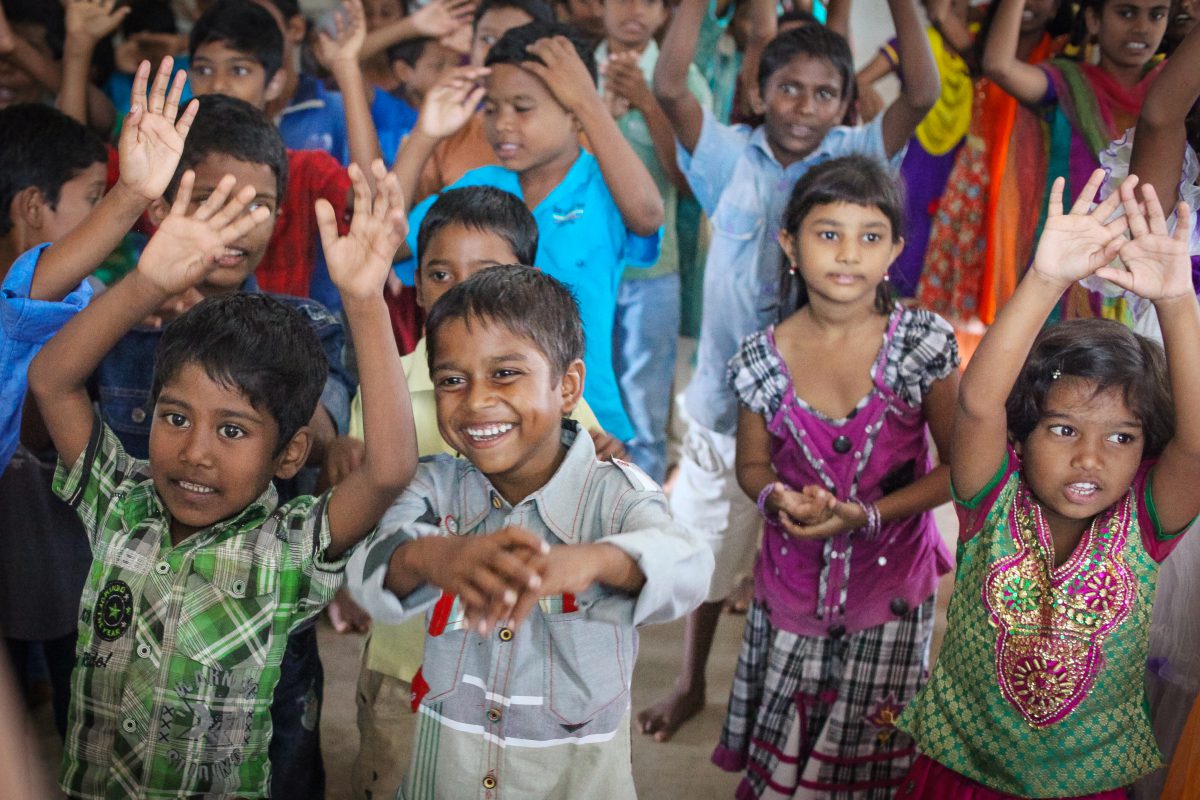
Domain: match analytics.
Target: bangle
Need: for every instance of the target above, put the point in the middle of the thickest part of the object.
(762, 498)
(873, 523)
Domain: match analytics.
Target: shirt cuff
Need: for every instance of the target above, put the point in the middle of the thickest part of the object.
(367, 570)
(677, 568)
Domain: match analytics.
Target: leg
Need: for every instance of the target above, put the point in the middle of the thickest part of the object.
(707, 501)
(60, 659)
(385, 729)
(295, 751)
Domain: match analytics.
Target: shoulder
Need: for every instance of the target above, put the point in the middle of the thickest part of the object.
(317, 169)
(923, 340)
(756, 375)
(490, 175)
(315, 312)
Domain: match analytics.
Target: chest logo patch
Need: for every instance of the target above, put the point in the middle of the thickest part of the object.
(113, 611)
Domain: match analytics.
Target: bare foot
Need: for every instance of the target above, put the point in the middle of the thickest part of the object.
(665, 717)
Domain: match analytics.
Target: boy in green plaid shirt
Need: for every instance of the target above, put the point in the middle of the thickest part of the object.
(198, 572)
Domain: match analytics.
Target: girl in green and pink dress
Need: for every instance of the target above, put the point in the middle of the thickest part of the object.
(1073, 473)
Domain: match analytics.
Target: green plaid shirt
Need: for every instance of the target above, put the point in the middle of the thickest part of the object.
(179, 647)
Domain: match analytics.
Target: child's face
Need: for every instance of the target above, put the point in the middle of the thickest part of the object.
(76, 199)
(1128, 32)
(491, 26)
(242, 257)
(420, 77)
(525, 124)
(633, 23)
(587, 16)
(803, 100)
(455, 253)
(212, 452)
(1184, 14)
(1037, 15)
(217, 69)
(1083, 453)
(843, 251)
(17, 85)
(500, 404)
(381, 12)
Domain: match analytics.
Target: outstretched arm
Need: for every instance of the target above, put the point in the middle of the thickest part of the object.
(150, 146)
(950, 20)
(88, 22)
(340, 55)
(180, 254)
(632, 188)
(920, 82)
(1158, 268)
(670, 73)
(1161, 138)
(436, 19)
(359, 264)
(869, 101)
(1072, 247)
(1023, 81)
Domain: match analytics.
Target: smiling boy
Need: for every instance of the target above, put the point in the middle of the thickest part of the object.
(527, 524)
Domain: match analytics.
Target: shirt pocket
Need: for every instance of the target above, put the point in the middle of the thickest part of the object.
(229, 612)
(738, 223)
(442, 666)
(588, 663)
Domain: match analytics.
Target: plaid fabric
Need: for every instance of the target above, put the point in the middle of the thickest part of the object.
(922, 350)
(815, 716)
(179, 647)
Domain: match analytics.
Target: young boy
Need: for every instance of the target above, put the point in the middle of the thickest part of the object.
(595, 213)
(539, 711)
(647, 323)
(199, 572)
(743, 179)
(417, 65)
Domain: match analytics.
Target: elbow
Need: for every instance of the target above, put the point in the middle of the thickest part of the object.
(995, 67)
(1158, 114)
(668, 90)
(650, 218)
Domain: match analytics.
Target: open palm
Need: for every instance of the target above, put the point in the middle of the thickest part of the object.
(359, 262)
(152, 138)
(1076, 244)
(1157, 264)
(451, 102)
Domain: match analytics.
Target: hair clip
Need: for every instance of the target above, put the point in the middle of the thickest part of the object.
(1056, 375)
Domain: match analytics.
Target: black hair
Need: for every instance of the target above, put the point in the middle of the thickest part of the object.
(409, 50)
(43, 147)
(49, 16)
(857, 179)
(286, 8)
(231, 127)
(256, 344)
(152, 16)
(522, 299)
(511, 47)
(538, 10)
(798, 15)
(1109, 355)
(482, 208)
(242, 26)
(813, 41)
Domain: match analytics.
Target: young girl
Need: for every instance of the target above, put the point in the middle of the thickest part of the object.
(837, 402)
(1088, 105)
(1073, 476)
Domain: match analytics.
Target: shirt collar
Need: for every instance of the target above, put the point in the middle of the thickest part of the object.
(310, 93)
(143, 502)
(758, 139)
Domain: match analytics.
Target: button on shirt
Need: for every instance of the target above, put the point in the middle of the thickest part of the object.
(584, 243)
(179, 647)
(26, 325)
(744, 190)
(542, 711)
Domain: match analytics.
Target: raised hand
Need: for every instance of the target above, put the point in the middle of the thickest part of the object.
(1157, 265)
(184, 249)
(152, 138)
(360, 262)
(1075, 245)
(625, 79)
(562, 71)
(93, 20)
(350, 27)
(451, 102)
(441, 18)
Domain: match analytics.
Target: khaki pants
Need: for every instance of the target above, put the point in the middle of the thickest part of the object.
(385, 728)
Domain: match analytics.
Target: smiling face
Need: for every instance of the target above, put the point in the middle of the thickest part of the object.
(1184, 15)
(76, 199)
(1128, 32)
(631, 24)
(529, 130)
(455, 253)
(1037, 15)
(212, 453)
(218, 69)
(843, 251)
(1082, 455)
(500, 403)
(803, 100)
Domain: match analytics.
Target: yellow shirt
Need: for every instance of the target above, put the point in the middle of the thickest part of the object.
(397, 650)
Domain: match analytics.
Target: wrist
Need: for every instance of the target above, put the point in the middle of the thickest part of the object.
(78, 45)
(1184, 302)
(128, 199)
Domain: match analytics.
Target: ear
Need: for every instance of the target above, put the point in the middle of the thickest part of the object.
(897, 248)
(294, 454)
(788, 243)
(29, 208)
(275, 86)
(571, 386)
(158, 211)
(402, 71)
(756, 102)
(1092, 20)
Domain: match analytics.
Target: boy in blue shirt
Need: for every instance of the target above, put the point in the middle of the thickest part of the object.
(743, 178)
(595, 213)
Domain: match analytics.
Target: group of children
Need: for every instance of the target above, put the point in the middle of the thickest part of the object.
(231, 459)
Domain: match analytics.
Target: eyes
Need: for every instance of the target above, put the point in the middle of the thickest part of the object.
(822, 93)
(832, 236)
(226, 430)
(1066, 431)
(502, 375)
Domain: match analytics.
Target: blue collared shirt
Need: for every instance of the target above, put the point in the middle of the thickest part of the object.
(26, 325)
(744, 190)
(584, 243)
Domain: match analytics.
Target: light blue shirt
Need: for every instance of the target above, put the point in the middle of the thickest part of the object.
(744, 190)
(26, 325)
(584, 243)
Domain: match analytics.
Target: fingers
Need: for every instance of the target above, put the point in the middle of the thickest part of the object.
(362, 198)
(1083, 202)
(171, 110)
(1183, 222)
(244, 223)
(1154, 216)
(158, 91)
(183, 195)
(137, 95)
(1134, 213)
(326, 224)
(1109, 205)
(184, 125)
(1120, 277)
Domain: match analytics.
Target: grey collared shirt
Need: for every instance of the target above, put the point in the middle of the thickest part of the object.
(542, 711)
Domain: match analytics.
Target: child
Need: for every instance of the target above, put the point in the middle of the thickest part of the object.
(596, 214)
(841, 469)
(417, 65)
(742, 179)
(540, 711)
(1088, 105)
(199, 572)
(1073, 477)
(648, 301)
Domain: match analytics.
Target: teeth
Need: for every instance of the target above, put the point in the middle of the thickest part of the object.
(1084, 488)
(489, 431)
(1136, 45)
(196, 487)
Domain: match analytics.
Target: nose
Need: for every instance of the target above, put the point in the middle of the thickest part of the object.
(220, 82)
(1086, 455)
(850, 251)
(197, 447)
(479, 395)
(504, 119)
